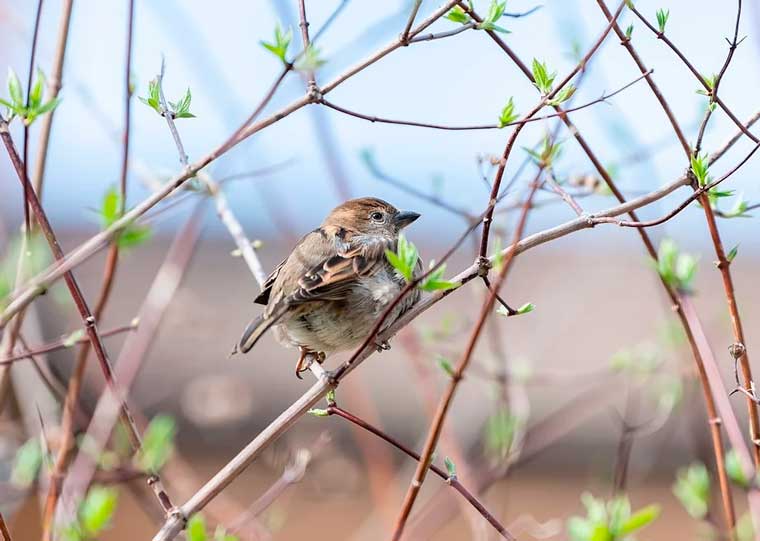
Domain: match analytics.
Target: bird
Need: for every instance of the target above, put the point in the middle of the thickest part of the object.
(327, 295)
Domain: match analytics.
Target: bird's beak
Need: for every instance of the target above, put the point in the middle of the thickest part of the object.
(405, 217)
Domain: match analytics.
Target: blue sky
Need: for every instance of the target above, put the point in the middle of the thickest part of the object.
(213, 48)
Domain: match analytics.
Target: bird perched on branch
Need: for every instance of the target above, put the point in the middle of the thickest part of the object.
(328, 294)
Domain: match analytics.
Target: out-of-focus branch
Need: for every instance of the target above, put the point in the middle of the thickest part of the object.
(132, 354)
(54, 84)
(64, 343)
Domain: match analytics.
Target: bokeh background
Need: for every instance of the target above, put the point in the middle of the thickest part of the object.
(595, 293)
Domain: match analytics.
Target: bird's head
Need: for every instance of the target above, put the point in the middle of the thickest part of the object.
(370, 216)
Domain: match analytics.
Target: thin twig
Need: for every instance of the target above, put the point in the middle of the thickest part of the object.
(604, 97)
(30, 74)
(450, 480)
(410, 21)
(66, 447)
(63, 343)
(54, 84)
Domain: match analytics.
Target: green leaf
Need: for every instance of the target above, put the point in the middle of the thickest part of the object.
(317, 412)
(14, 89)
(196, 528)
(498, 255)
(73, 338)
(134, 235)
(734, 469)
(543, 79)
(495, 12)
(731, 255)
(404, 259)
(279, 47)
(508, 114)
(153, 100)
(97, 509)
(700, 169)
(27, 463)
(435, 280)
(158, 443)
(445, 365)
(451, 468)
(35, 94)
(526, 308)
(499, 433)
(692, 488)
(662, 19)
(458, 15)
(220, 534)
(310, 60)
(629, 31)
(640, 519)
(565, 93)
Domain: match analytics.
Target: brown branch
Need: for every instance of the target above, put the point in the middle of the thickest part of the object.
(696, 74)
(508, 149)
(4, 531)
(626, 42)
(600, 99)
(54, 84)
(445, 403)
(30, 75)
(410, 21)
(131, 356)
(62, 344)
(717, 441)
(450, 480)
(67, 447)
(303, 24)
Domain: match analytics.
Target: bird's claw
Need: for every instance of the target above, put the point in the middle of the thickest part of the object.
(382, 345)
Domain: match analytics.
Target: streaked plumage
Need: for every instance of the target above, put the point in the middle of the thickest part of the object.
(328, 293)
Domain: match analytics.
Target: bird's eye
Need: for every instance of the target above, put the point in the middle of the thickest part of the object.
(376, 216)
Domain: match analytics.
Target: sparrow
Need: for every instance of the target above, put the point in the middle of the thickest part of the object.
(328, 294)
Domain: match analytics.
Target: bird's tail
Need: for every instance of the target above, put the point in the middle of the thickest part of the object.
(256, 329)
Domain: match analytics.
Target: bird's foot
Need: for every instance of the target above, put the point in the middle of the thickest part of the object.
(305, 359)
(382, 345)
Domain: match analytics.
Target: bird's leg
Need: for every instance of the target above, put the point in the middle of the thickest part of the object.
(304, 361)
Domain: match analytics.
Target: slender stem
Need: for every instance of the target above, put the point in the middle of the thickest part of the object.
(54, 84)
(30, 74)
(62, 344)
(626, 42)
(4, 531)
(602, 98)
(410, 21)
(445, 403)
(442, 35)
(696, 73)
(449, 480)
(66, 448)
(303, 24)
(488, 219)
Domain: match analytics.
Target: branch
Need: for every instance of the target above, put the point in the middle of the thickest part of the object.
(696, 74)
(54, 85)
(450, 480)
(602, 98)
(63, 343)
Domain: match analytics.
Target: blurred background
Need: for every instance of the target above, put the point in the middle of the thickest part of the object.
(540, 418)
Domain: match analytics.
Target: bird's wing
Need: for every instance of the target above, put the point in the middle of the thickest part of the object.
(336, 275)
(266, 288)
